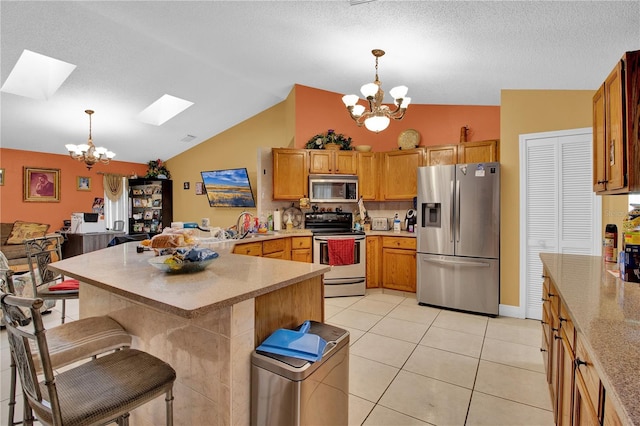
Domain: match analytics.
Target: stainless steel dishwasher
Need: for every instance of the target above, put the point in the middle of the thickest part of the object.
(292, 391)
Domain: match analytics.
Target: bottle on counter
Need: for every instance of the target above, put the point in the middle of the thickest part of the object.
(289, 224)
(396, 222)
(270, 222)
(610, 243)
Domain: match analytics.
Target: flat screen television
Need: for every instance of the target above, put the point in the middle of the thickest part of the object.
(228, 188)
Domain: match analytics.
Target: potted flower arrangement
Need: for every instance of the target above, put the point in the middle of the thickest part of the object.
(157, 169)
(325, 140)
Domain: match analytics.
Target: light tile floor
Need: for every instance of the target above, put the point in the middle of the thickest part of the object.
(417, 365)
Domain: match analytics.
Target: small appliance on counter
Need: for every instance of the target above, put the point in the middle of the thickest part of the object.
(379, 224)
(82, 223)
(410, 220)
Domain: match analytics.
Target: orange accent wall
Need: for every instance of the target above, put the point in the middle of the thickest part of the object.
(319, 110)
(12, 206)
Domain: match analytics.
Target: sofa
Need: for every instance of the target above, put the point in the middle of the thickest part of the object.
(12, 236)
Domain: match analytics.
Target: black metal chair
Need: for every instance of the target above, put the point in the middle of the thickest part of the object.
(99, 391)
(70, 342)
(49, 285)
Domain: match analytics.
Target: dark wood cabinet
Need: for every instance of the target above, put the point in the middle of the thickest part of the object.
(76, 244)
(616, 129)
(150, 205)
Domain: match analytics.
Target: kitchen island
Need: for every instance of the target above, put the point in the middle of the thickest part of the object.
(205, 324)
(604, 351)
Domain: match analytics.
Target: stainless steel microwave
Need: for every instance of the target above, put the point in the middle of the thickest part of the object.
(333, 188)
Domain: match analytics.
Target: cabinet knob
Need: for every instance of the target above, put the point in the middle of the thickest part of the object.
(554, 329)
(563, 319)
(543, 276)
(543, 350)
(551, 295)
(555, 336)
(544, 300)
(542, 322)
(578, 362)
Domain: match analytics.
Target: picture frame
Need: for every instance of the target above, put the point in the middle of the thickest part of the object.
(1, 177)
(83, 183)
(148, 214)
(157, 202)
(137, 202)
(185, 185)
(41, 185)
(199, 188)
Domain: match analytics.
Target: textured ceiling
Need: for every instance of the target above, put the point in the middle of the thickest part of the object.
(234, 59)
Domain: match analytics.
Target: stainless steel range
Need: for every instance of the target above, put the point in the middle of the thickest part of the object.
(329, 228)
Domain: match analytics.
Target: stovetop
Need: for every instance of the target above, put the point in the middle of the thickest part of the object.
(330, 223)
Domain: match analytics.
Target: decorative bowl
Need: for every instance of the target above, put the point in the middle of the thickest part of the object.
(363, 148)
(185, 267)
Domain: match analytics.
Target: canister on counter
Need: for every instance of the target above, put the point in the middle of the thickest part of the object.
(610, 243)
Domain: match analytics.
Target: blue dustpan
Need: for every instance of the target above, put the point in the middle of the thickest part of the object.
(297, 344)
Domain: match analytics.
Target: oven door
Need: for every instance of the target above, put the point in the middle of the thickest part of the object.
(342, 280)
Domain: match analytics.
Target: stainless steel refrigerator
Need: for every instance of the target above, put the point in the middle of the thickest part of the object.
(458, 232)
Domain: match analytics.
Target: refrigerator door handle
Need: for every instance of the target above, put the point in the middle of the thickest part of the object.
(451, 213)
(458, 262)
(457, 208)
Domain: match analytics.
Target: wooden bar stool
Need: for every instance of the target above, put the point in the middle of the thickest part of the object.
(102, 390)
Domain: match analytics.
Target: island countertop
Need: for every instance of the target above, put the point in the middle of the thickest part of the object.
(606, 311)
(231, 278)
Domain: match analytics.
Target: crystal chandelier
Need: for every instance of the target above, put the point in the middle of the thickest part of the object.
(88, 152)
(378, 116)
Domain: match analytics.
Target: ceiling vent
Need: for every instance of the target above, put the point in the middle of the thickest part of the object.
(187, 138)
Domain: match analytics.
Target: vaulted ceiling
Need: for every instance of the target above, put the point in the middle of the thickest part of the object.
(234, 59)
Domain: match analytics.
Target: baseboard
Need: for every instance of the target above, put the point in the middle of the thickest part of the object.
(511, 311)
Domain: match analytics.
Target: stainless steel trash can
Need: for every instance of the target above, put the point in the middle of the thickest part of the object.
(292, 391)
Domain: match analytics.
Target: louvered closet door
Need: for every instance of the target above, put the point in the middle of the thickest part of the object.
(559, 211)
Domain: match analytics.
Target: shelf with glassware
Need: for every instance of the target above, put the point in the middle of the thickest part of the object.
(150, 205)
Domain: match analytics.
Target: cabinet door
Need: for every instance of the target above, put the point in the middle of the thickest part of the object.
(290, 174)
(441, 155)
(399, 269)
(301, 255)
(367, 175)
(321, 161)
(610, 417)
(614, 119)
(599, 145)
(400, 173)
(374, 262)
(478, 152)
(565, 382)
(584, 413)
(249, 249)
(346, 162)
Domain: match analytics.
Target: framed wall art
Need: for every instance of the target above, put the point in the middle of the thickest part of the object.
(41, 185)
(83, 183)
(1, 177)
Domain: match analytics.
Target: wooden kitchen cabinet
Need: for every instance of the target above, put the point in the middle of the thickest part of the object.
(249, 249)
(399, 263)
(441, 155)
(290, 173)
(301, 249)
(400, 174)
(368, 175)
(279, 248)
(478, 152)
(616, 111)
(374, 262)
(333, 162)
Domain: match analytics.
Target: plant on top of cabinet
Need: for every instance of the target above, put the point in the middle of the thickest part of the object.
(321, 141)
(157, 169)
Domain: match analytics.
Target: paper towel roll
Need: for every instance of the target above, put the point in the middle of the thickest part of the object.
(277, 220)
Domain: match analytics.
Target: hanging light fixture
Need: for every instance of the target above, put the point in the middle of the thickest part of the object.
(378, 116)
(88, 152)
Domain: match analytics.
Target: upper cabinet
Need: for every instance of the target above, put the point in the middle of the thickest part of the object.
(400, 174)
(290, 174)
(616, 129)
(466, 152)
(333, 162)
(368, 175)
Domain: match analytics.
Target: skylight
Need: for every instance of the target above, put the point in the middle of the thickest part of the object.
(163, 109)
(36, 76)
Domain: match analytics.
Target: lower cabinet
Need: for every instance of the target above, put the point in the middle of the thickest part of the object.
(399, 263)
(374, 262)
(577, 394)
(287, 248)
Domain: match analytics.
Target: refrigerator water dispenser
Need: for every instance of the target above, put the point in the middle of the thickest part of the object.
(431, 215)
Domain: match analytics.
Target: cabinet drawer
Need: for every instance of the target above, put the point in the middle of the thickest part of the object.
(249, 249)
(588, 373)
(408, 243)
(272, 246)
(567, 325)
(300, 242)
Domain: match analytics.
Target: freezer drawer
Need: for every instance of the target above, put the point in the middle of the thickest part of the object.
(464, 283)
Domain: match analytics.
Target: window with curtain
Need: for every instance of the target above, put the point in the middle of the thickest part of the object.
(116, 200)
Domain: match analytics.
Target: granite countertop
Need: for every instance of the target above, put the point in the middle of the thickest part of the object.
(606, 312)
(391, 234)
(231, 278)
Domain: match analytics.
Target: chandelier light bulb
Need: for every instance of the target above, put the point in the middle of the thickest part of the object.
(378, 116)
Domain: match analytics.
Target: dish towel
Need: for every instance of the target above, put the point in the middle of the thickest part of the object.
(69, 284)
(341, 251)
